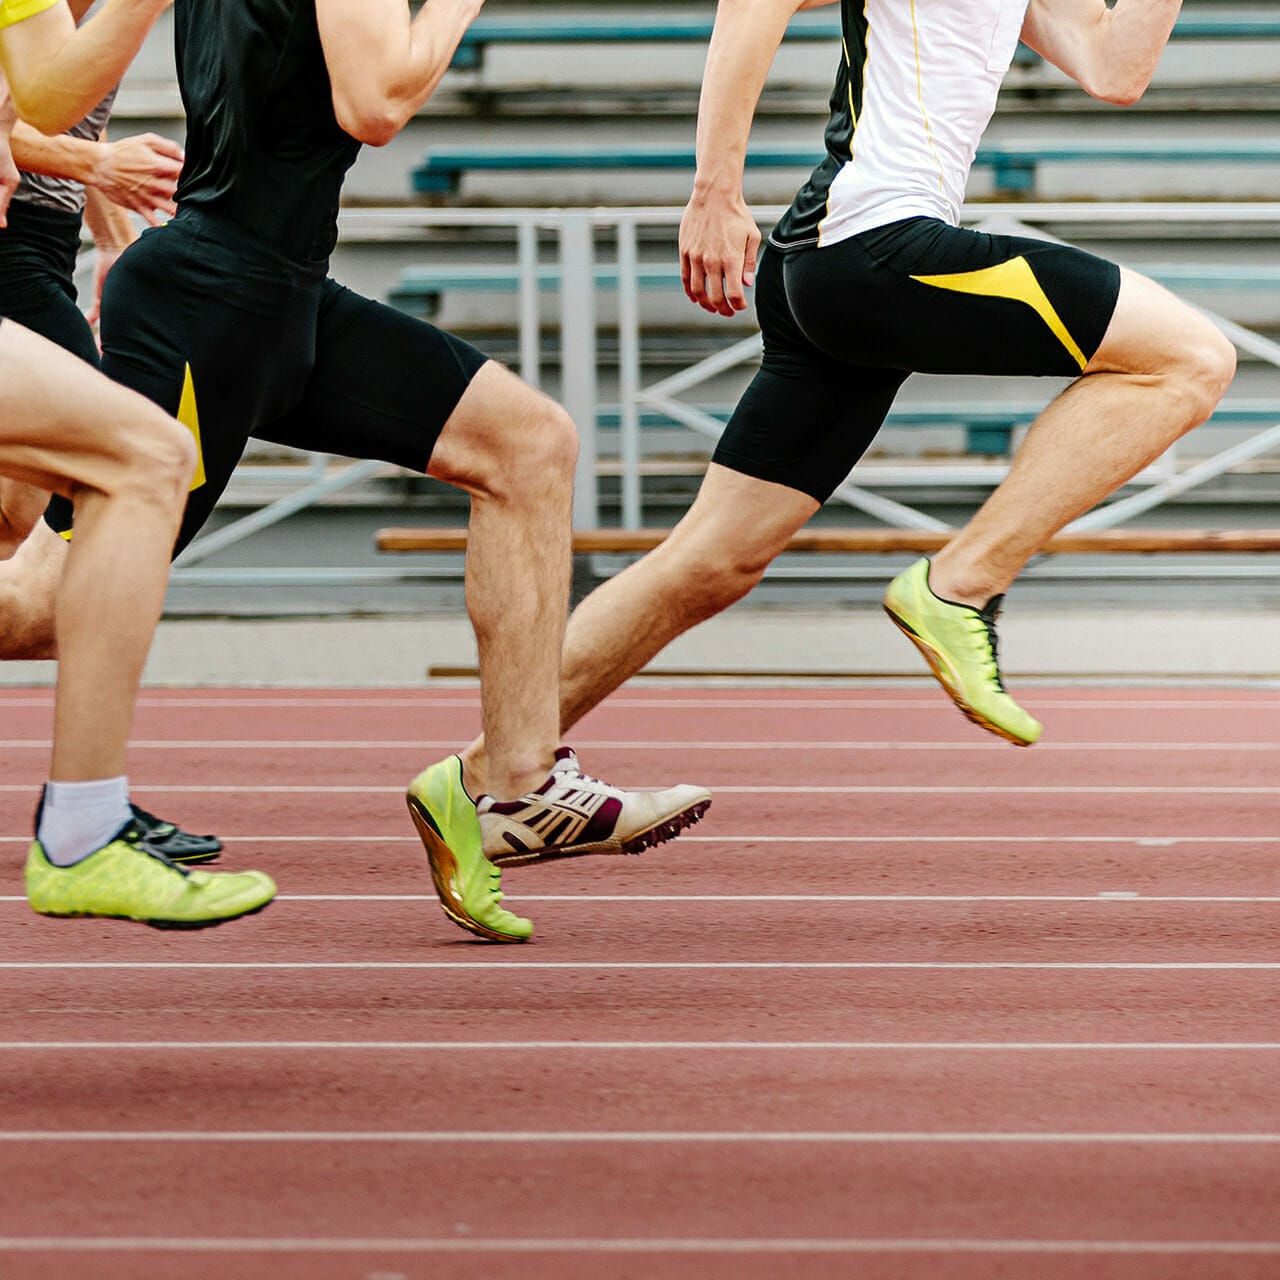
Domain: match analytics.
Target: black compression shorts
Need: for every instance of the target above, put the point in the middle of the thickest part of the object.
(845, 325)
(37, 262)
(236, 341)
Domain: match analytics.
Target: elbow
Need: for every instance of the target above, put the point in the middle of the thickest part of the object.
(1119, 90)
(372, 122)
(1124, 96)
(41, 112)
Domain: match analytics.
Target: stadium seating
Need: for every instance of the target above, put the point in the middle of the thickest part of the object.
(1013, 165)
(622, 28)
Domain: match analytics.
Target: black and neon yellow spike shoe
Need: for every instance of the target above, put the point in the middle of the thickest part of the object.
(468, 884)
(959, 644)
(128, 880)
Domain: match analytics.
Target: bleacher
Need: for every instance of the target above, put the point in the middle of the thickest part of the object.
(592, 102)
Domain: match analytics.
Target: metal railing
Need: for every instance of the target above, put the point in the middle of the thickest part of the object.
(577, 240)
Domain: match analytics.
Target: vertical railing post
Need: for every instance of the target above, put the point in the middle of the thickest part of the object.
(629, 371)
(530, 325)
(578, 356)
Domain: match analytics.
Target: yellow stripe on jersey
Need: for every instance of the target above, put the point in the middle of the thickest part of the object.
(924, 111)
(189, 416)
(1016, 281)
(12, 11)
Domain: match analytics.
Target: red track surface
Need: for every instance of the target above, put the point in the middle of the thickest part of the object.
(909, 1003)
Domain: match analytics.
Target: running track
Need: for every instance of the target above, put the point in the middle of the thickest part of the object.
(909, 1003)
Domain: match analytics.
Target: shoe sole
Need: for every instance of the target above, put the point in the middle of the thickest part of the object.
(185, 925)
(443, 864)
(659, 833)
(941, 674)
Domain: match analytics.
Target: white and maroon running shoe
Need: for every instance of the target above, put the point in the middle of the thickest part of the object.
(571, 815)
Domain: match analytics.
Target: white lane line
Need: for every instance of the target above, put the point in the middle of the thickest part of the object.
(1105, 898)
(647, 1046)
(774, 839)
(509, 1137)
(243, 789)
(986, 746)
(646, 1245)
(487, 966)
(928, 701)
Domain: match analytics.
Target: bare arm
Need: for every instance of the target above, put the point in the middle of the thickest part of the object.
(57, 74)
(113, 232)
(139, 173)
(1111, 53)
(718, 236)
(383, 63)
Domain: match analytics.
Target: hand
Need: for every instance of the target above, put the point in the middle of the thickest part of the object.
(140, 174)
(719, 241)
(104, 260)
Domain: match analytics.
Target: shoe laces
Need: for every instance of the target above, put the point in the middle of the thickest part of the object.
(136, 836)
(567, 768)
(985, 619)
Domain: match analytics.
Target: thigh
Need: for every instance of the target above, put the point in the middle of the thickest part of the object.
(806, 417)
(49, 310)
(383, 384)
(62, 424)
(1151, 328)
(46, 307)
(927, 297)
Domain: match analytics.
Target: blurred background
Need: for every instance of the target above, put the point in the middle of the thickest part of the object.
(533, 207)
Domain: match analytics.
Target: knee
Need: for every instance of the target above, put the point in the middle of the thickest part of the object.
(27, 616)
(541, 452)
(162, 460)
(707, 578)
(1206, 368)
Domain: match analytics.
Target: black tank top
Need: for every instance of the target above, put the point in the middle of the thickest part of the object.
(263, 146)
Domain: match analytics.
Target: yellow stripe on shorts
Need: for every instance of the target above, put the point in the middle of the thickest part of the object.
(1016, 281)
(189, 416)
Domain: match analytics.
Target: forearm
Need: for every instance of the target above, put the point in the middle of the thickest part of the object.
(1112, 53)
(108, 224)
(745, 39)
(60, 157)
(58, 73)
(383, 64)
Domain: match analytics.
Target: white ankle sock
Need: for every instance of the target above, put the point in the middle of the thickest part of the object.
(78, 818)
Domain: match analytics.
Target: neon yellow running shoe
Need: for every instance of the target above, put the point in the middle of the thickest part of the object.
(468, 884)
(128, 880)
(959, 644)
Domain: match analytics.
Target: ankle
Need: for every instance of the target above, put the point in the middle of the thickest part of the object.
(474, 772)
(962, 586)
(517, 779)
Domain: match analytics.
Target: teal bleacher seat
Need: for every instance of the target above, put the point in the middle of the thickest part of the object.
(805, 26)
(1013, 165)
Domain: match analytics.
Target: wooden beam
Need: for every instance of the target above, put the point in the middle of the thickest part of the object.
(879, 541)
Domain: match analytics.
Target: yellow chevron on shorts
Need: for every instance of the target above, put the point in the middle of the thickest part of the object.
(1016, 281)
(189, 416)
